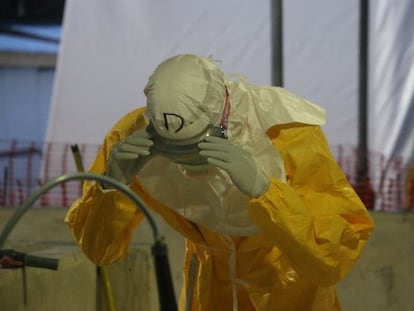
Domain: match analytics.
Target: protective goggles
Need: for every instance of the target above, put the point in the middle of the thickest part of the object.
(187, 151)
(182, 151)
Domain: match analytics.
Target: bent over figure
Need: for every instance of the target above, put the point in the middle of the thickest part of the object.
(245, 174)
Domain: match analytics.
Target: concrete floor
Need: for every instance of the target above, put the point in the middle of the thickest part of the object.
(381, 280)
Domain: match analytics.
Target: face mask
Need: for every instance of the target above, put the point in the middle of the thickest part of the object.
(185, 152)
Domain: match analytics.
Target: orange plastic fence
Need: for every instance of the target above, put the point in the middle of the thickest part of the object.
(24, 166)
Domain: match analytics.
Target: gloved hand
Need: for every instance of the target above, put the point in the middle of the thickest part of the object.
(127, 157)
(237, 162)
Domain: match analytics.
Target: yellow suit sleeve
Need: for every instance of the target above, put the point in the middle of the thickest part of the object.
(315, 218)
(102, 220)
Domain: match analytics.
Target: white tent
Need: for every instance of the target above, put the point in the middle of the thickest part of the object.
(109, 48)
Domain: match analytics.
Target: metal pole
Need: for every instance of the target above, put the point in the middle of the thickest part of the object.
(363, 185)
(277, 42)
(363, 88)
(5, 185)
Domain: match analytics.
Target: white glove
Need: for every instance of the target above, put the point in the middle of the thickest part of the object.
(237, 162)
(127, 157)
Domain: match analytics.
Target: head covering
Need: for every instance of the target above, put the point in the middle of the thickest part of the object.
(185, 95)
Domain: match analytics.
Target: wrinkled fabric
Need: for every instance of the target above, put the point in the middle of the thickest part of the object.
(306, 231)
(221, 206)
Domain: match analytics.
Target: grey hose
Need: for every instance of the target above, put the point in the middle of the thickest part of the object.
(78, 176)
(159, 249)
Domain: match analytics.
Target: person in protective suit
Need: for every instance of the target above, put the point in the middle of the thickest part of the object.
(245, 174)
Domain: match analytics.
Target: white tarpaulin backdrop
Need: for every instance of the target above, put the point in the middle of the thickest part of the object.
(109, 48)
(391, 108)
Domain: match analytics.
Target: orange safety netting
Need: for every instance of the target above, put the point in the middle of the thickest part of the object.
(24, 166)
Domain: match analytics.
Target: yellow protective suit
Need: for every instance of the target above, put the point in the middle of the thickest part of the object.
(311, 230)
